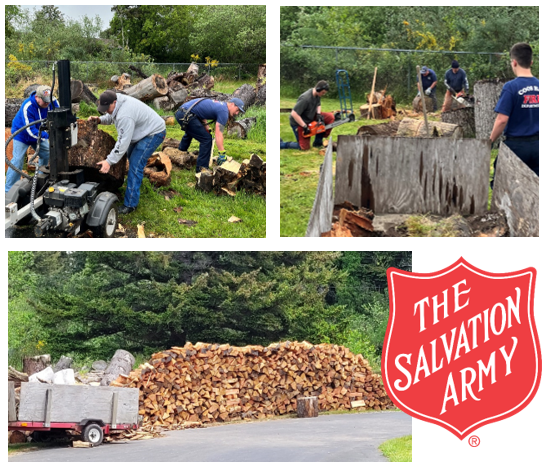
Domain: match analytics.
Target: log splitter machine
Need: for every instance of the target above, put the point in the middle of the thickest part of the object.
(57, 197)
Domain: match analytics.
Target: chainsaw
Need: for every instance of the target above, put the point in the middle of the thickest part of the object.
(459, 99)
(318, 127)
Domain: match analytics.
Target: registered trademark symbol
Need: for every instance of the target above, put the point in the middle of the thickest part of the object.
(474, 441)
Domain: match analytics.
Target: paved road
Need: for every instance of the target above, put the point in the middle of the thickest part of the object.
(331, 438)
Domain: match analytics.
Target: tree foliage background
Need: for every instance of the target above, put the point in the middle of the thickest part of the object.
(419, 28)
(89, 304)
(137, 33)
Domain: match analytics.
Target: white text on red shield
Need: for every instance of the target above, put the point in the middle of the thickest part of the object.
(472, 333)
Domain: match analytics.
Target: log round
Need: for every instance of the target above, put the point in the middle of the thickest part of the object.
(463, 117)
(417, 104)
(63, 363)
(121, 363)
(416, 128)
(388, 129)
(191, 74)
(80, 92)
(177, 97)
(486, 94)
(94, 145)
(148, 89)
(204, 82)
(242, 127)
(30, 89)
(307, 407)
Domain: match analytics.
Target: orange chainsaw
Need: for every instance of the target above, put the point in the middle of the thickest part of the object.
(318, 127)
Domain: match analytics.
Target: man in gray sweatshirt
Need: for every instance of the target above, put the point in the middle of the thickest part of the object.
(140, 131)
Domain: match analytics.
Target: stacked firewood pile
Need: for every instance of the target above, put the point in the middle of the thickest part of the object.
(231, 176)
(205, 383)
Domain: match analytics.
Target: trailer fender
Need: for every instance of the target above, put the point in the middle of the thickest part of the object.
(99, 210)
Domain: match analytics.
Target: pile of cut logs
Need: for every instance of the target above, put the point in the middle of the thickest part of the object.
(231, 176)
(351, 221)
(205, 383)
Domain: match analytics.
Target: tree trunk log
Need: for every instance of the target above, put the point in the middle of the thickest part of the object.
(11, 107)
(241, 128)
(163, 103)
(415, 128)
(486, 94)
(190, 75)
(261, 86)
(177, 97)
(80, 92)
(121, 363)
(146, 90)
(463, 117)
(247, 94)
(32, 365)
(204, 82)
(120, 81)
(16, 377)
(158, 169)
(388, 129)
(93, 146)
(307, 407)
(138, 71)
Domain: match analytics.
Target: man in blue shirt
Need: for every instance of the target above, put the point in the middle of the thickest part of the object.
(34, 108)
(429, 82)
(204, 110)
(518, 109)
(456, 82)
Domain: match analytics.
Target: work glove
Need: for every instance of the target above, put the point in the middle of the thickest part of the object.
(319, 118)
(428, 91)
(221, 158)
(419, 94)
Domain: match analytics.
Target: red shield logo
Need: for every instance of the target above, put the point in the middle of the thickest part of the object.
(461, 348)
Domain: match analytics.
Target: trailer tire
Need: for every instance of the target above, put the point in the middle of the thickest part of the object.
(93, 433)
(108, 228)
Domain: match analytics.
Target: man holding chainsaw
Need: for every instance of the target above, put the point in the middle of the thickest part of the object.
(456, 83)
(429, 82)
(307, 116)
(193, 117)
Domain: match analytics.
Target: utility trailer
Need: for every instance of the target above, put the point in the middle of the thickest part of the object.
(92, 411)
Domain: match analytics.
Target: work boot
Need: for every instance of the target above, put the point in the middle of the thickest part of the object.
(126, 210)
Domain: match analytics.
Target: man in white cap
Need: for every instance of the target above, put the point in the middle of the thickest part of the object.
(140, 131)
(34, 108)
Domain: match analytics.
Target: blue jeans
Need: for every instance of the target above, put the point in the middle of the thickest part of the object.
(138, 155)
(19, 151)
(196, 130)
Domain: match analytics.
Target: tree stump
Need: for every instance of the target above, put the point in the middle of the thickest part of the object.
(35, 364)
(190, 75)
(261, 86)
(63, 363)
(148, 89)
(486, 94)
(17, 437)
(121, 364)
(416, 128)
(463, 117)
(307, 407)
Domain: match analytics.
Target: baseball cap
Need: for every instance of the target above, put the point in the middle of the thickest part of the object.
(454, 65)
(105, 100)
(44, 92)
(239, 103)
(424, 70)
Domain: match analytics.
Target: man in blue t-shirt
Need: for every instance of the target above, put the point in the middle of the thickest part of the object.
(429, 82)
(204, 110)
(518, 109)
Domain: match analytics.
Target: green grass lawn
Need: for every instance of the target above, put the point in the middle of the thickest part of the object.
(398, 450)
(162, 215)
(300, 170)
